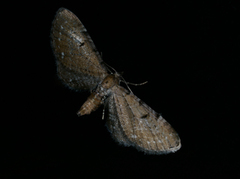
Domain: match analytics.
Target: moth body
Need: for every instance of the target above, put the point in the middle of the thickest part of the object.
(99, 95)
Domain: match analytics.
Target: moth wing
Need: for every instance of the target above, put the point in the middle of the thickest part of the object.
(133, 123)
(79, 64)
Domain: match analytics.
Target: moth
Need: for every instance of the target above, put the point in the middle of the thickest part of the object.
(130, 121)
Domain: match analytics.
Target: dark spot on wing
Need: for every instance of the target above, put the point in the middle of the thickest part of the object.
(82, 44)
(141, 102)
(158, 115)
(145, 116)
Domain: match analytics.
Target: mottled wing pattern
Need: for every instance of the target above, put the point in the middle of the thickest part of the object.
(79, 64)
(133, 123)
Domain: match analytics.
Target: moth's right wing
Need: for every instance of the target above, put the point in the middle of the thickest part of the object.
(133, 123)
(79, 64)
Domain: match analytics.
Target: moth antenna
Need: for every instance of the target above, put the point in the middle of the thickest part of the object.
(126, 84)
(137, 84)
(109, 67)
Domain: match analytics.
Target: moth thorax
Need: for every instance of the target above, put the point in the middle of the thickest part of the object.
(110, 81)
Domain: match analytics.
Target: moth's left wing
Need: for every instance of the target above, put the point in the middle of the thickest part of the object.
(133, 123)
(79, 64)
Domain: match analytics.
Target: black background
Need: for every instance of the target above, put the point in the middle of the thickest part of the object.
(188, 51)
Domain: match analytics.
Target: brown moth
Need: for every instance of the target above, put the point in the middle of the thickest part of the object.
(79, 65)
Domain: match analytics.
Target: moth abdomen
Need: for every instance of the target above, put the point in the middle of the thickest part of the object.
(93, 102)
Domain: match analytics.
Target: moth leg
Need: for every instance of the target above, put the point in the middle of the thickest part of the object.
(105, 101)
